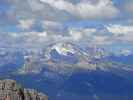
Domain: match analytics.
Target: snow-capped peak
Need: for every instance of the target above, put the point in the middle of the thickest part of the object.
(64, 48)
(125, 52)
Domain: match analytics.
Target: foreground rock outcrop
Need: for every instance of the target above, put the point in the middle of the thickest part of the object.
(10, 90)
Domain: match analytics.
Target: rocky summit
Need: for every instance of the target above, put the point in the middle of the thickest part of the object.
(10, 90)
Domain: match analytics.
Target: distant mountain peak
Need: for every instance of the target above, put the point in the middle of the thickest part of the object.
(65, 56)
(64, 48)
(126, 52)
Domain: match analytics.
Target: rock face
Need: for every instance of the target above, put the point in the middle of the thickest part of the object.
(9, 90)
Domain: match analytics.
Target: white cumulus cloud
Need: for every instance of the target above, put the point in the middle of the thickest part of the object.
(86, 9)
(120, 29)
(26, 23)
(78, 34)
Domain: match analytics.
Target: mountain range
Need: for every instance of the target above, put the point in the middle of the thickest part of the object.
(66, 71)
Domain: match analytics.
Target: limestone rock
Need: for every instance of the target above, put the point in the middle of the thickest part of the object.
(10, 90)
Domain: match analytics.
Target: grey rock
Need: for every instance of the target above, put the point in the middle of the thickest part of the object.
(10, 90)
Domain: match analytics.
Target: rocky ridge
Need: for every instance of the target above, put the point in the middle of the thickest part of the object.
(10, 90)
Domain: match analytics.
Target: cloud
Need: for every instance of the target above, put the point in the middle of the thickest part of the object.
(128, 6)
(52, 26)
(101, 40)
(127, 9)
(63, 10)
(41, 22)
(120, 29)
(126, 38)
(26, 24)
(86, 9)
(40, 39)
(37, 10)
(121, 33)
(75, 35)
(78, 34)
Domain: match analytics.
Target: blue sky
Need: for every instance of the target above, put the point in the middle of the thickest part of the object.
(106, 23)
